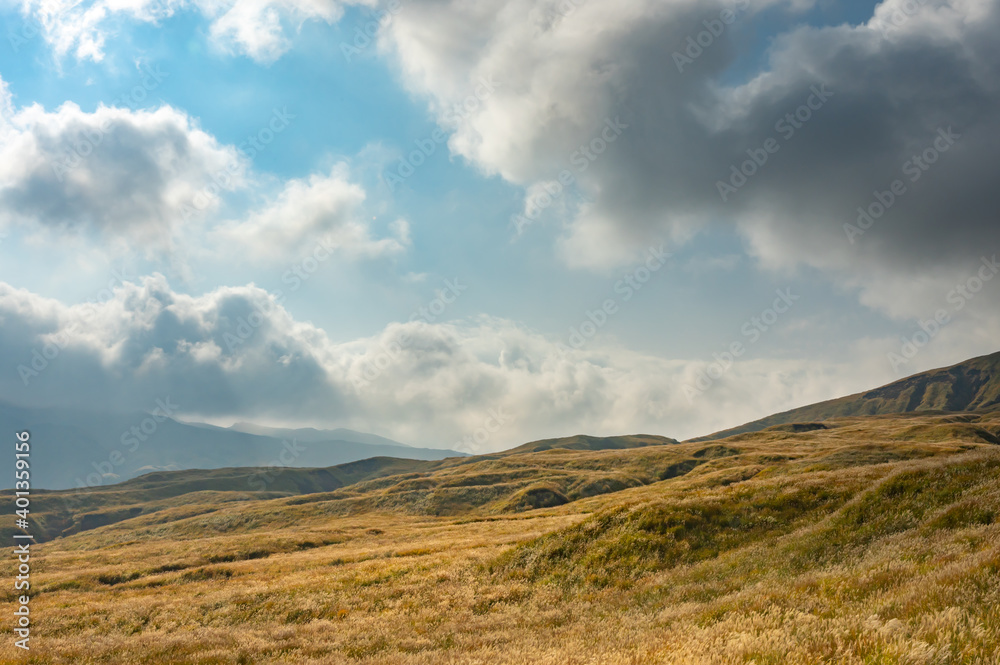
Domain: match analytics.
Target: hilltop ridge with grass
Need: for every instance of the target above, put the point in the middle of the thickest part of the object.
(971, 385)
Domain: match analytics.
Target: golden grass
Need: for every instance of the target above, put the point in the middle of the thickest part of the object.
(849, 545)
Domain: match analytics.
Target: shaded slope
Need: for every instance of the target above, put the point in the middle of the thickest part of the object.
(584, 442)
(197, 491)
(968, 386)
(831, 520)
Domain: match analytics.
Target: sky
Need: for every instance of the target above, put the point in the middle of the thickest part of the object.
(474, 224)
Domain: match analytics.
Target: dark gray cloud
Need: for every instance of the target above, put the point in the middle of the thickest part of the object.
(886, 94)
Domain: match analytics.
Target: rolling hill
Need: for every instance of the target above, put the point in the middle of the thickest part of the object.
(859, 539)
(866, 540)
(968, 386)
(447, 486)
(584, 442)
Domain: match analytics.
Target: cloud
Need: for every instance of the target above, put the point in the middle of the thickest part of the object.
(236, 354)
(114, 173)
(255, 28)
(231, 350)
(121, 179)
(81, 27)
(882, 93)
(324, 209)
(530, 89)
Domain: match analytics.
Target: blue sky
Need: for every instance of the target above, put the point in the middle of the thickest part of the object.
(355, 119)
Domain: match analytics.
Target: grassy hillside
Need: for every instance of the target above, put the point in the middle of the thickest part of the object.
(969, 386)
(65, 512)
(504, 482)
(584, 442)
(864, 541)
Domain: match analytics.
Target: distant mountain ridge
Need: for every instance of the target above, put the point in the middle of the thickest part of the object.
(972, 385)
(312, 435)
(74, 448)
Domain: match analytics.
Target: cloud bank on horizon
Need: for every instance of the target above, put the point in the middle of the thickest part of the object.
(850, 159)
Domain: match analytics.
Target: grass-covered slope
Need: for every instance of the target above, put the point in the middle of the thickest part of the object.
(65, 512)
(512, 481)
(584, 442)
(968, 386)
(867, 541)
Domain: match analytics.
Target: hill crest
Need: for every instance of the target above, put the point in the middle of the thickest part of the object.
(972, 385)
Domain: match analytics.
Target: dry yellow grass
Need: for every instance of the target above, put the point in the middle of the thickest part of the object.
(874, 542)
